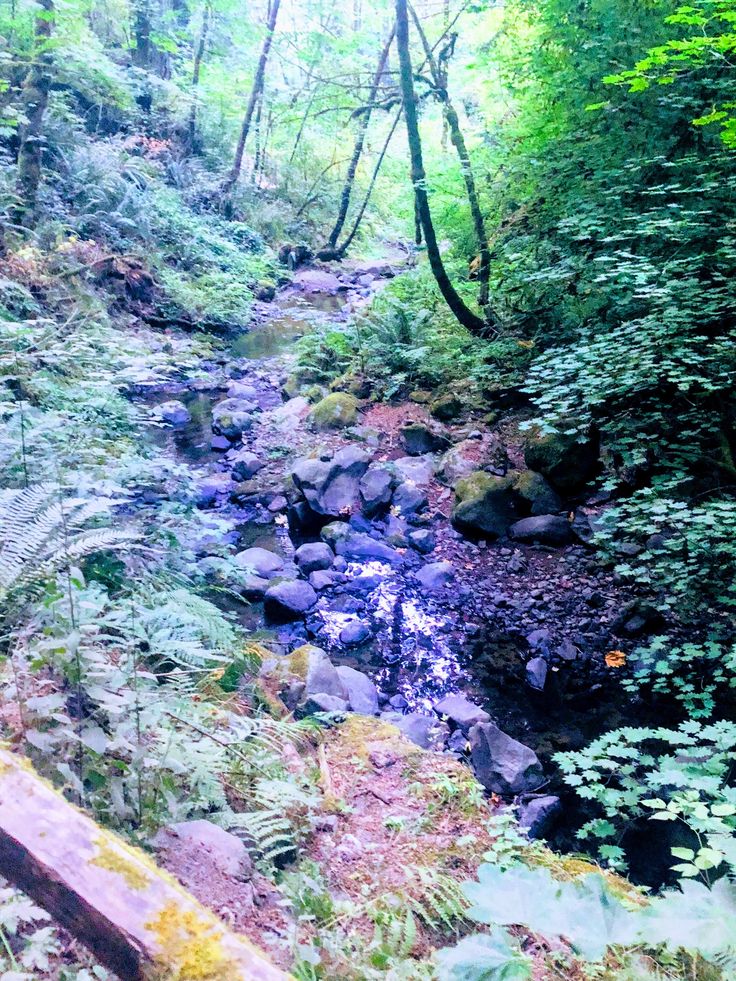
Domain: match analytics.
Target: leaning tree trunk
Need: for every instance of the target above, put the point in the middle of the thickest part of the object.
(34, 100)
(260, 75)
(439, 79)
(460, 310)
(196, 72)
(358, 147)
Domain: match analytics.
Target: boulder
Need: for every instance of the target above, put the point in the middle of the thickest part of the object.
(233, 417)
(409, 498)
(537, 814)
(485, 505)
(174, 412)
(422, 540)
(245, 465)
(359, 545)
(355, 632)
(544, 529)
(335, 411)
(314, 556)
(375, 490)
(260, 561)
(331, 487)
(419, 469)
(316, 280)
(335, 534)
(321, 580)
(419, 438)
(361, 692)
(289, 600)
(567, 460)
(306, 671)
(536, 491)
(469, 456)
(461, 712)
(241, 390)
(435, 574)
(446, 407)
(423, 730)
(322, 702)
(503, 765)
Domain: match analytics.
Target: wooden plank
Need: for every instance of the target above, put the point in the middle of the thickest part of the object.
(135, 918)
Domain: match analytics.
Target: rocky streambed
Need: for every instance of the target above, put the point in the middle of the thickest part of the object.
(404, 560)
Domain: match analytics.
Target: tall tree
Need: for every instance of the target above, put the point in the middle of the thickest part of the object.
(232, 177)
(196, 72)
(471, 321)
(438, 68)
(364, 120)
(34, 100)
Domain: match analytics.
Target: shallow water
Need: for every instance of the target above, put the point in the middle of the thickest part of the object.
(296, 314)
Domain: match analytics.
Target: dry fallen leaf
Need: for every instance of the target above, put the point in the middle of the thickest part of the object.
(615, 659)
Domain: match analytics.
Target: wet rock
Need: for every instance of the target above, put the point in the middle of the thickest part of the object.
(227, 853)
(537, 492)
(361, 692)
(322, 702)
(409, 498)
(354, 633)
(241, 390)
(289, 600)
(424, 730)
(544, 529)
(536, 673)
(461, 712)
(331, 487)
(334, 534)
(335, 411)
(422, 540)
(245, 465)
(233, 417)
(375, 488)
(174, 412)
(565, 460)
(260, 561)
(359, 545)
(485, 504)
(435, 574)
(321, 580)
(419, 438)
(447, 407)
(537, 814)
(316, 281)
(314, 556)
(503, 765)
(210, 488)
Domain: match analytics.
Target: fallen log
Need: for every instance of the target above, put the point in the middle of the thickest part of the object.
(135, 918)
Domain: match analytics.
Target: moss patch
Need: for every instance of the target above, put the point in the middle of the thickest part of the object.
(112, 859)
(190, 946)
(335, 411)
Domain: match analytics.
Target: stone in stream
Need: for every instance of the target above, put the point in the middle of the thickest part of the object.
(544, 529)
(422, 540)
(245, 465)
(461, 712)
(362, 693)
(330, 487)
(485, 504)
(355, 632)
(408, 498)
(503, 765)
(260, 561)
(316, 281)
(210, 488)
(418, 469)
(375, 487)
(233, 417)
(335, 411)
(537, 814)
(174, 412)
(241, 390)
(435, 574)
(536, 673)
(322, 579)
(419, 438)
(322, 702)
(353, 544)
(289, 600)
(314, 556)
(424, 730)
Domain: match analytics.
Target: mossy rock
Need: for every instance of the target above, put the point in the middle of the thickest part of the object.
(335, 411)
(486, 505)
(313, 393)
(447, 407)
(567, 460)
(353, 384)
(535, 490)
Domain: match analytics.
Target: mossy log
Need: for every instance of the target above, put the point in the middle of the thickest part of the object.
(135, 918)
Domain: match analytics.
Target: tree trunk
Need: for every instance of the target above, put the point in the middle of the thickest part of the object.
(359, 143)
(196, 72)
(34, 100)
(260, 75)
(460, 310)
(439, 78)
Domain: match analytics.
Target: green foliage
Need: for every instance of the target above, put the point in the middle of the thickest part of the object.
(484, 958)
(661, 774)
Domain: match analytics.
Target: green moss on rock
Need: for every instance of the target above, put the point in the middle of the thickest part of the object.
(565, 459)
(485, 504)
(335, 411)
